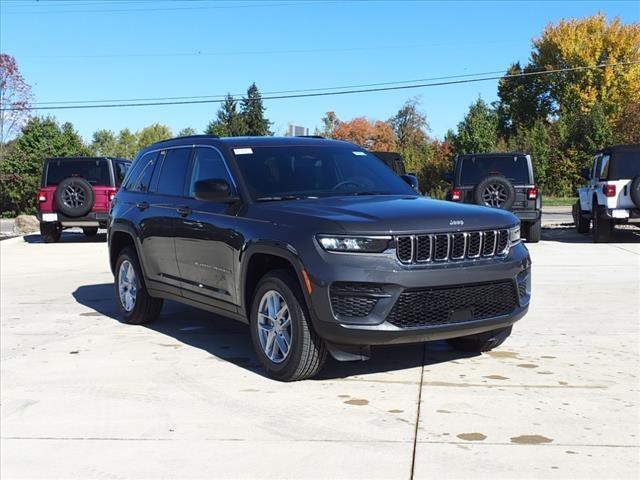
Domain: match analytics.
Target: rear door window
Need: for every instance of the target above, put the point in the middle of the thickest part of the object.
(94, 171)
(474, 169)
(174, 171)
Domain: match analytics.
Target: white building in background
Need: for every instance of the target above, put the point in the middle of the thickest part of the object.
(296, 130)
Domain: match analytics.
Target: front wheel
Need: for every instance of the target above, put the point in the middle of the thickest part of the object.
(134, 302)
(283, 337)
(482, 342)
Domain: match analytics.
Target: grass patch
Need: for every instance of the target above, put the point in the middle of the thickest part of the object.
(557, 201)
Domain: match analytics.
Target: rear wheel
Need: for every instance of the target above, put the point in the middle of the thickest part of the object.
(283, 337)
(90, 231)
(134, 302)
(482, 342)
(50, 231)
(602, 227)
(533, 232)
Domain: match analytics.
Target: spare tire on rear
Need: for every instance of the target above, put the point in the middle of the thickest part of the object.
(635, 191)
(495, 191)
(74, 197)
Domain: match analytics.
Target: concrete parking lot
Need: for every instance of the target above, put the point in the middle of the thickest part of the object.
(86, 396)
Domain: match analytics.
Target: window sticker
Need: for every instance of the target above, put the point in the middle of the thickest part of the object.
(242, 151)
(360, 154)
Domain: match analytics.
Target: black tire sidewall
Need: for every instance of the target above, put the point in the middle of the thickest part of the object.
(85, 208)
(281, 284)
(634, 191)
(511, 191)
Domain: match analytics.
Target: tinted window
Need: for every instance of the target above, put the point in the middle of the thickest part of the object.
(604, 169)
(208, 164)
(121, 169)
(138, 179)
(174, 171)
(624, 165)
(475, 169)
(316, 171)
(95, 171)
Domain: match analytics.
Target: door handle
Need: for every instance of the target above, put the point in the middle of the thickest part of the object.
(142, 205)
(184, 211)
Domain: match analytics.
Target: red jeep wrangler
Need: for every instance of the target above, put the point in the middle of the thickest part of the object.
(77, 192)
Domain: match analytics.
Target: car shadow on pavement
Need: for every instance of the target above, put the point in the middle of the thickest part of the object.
(230, 340)
(68, 237)
(568, 234)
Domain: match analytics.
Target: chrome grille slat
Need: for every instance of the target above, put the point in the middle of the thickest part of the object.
(451, 247)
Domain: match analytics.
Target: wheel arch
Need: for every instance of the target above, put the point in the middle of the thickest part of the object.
(120, 237)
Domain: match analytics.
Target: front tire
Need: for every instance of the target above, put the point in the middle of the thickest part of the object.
(136, 306)
(50, 232)
(286, 344)
(482, 342)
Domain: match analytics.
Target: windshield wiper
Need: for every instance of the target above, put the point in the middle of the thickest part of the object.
(283, 197)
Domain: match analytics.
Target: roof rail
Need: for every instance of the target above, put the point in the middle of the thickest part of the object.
(309, 136)
(194, 136)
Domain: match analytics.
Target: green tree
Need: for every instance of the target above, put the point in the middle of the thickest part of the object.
(152, 134)
(127, 144)
(104, 143)
(20, 172)
(330, 123)
(187, 132)
(228, 122)
(409, 125)
(252, 112)
(478, 132)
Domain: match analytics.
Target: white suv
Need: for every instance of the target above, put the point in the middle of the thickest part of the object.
(612, 195)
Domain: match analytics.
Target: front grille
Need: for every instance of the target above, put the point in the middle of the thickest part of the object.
(446, 305)
(441, 247)
(353, 299)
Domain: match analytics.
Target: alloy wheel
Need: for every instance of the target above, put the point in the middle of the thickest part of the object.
(274, 326)
(127, 285)
(495, 195)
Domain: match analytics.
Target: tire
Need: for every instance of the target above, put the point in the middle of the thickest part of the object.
(496, 192)
(74, 197)
(90, 231)
(50, 232)
(145, 308)
(306, 352)
(482, 342)
(533, 232)
(602, 227)
(635, 191)
(583, 223)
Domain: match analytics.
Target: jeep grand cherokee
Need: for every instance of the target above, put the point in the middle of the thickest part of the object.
(317, 245)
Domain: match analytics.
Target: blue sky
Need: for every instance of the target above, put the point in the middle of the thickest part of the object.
(93, 50)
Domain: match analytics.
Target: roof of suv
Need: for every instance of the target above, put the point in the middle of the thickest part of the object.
(250, 141)
(633, 147)
(86, 158)
(492, 154)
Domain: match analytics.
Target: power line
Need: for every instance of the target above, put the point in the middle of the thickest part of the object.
(341, 92)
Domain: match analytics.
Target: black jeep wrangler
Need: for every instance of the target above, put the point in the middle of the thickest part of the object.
(499, 180)
(317, 245)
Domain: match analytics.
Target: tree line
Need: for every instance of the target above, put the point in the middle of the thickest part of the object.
(561, 119)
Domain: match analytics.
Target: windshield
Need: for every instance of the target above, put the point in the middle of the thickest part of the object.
(475, 169)
(272, 173)
(94, 171)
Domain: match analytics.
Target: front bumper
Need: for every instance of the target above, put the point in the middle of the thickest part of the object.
(390, 280)
(92, 219)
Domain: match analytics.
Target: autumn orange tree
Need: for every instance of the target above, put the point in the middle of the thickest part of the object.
(372, 135)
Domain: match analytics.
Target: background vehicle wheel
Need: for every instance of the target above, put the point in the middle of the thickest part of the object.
(90, 231)
(602, 227)
(284, 340)
(50, 231)
(134, 302)
(495, 192)
(74, 197)
(533, 231)
(483, 342)
(583, 223)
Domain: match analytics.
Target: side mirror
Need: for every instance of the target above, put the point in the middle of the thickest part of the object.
(412, 180)
(585, 173)
(213, 189)
(447, 177)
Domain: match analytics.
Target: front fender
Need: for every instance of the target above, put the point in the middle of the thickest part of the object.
(585, 201)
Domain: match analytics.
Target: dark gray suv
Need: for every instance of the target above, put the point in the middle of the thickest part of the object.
(317, 245)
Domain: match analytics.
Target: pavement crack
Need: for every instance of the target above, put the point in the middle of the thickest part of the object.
(415, 432)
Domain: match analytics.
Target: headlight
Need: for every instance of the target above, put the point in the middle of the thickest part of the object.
(335, 243)
(514, 235)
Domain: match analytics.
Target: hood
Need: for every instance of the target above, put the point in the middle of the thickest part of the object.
(385, 214)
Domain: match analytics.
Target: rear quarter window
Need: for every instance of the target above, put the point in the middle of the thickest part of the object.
(94, 171)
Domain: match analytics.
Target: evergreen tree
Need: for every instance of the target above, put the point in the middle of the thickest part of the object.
(253, 113)
(229, 122)
(104, 143)
(478, 132)
(187, 132)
